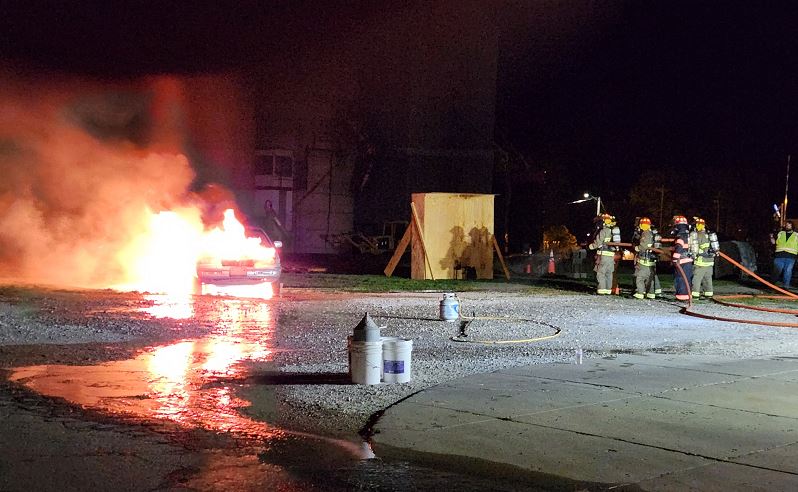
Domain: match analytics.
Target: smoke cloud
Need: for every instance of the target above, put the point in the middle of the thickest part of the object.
(83, 166)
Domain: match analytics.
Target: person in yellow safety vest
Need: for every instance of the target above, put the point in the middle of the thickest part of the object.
(646, 261)
(682, 258)
(786, 250)
(605, 254)
(704, 260)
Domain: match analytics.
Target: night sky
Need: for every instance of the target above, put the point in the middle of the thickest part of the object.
(701, 96)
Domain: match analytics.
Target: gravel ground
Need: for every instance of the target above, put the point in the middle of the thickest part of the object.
(69, 327)
(600, 326)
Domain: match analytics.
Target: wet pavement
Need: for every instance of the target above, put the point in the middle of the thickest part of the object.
(650, 422)
(169, 418)
(171, 389)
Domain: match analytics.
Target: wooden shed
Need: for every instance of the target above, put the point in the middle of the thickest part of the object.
(458, 233)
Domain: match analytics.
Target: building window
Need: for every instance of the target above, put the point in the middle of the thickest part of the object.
(264, 164)
(284, 166)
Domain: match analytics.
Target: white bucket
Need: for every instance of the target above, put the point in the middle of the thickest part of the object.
(396, 359)
(365, 362)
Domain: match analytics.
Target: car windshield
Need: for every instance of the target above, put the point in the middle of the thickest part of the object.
(260, 234)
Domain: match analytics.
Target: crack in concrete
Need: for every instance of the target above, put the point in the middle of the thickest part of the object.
(712, 405)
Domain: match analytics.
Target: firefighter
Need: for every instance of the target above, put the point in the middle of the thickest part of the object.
(682, 258)
(605, 254)
(786, 251)
(646, 260)
(707, 248)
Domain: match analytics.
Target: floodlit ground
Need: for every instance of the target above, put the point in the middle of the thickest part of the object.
(307, 328)
(263, 373)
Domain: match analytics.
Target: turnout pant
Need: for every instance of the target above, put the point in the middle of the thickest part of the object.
(644, 281)
(702, 281)
(682, 288)
(604, 268)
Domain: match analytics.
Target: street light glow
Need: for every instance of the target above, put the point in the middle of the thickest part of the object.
(588, 196)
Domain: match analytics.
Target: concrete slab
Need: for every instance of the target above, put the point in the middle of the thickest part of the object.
(625, 374)
(686, 427)
(788, 376)
(722, 477)
(506, 395)
(411, 416)
(560, 453)
(745, 367)
(784, 458)
(759, 395)
(656, 422)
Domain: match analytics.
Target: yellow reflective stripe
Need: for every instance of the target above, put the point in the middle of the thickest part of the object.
(646, 262)
(701, 261)
(607, 253)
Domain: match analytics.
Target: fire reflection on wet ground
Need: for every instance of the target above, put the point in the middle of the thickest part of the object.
(185, 389)
(177, 383)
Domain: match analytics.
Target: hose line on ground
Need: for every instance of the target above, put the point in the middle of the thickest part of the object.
(469, 319)
(721, 299)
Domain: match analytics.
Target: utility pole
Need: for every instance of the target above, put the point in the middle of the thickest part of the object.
(786, 187)
(661, 190)
(717, 213)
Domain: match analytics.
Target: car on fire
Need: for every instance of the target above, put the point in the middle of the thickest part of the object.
(261, 264)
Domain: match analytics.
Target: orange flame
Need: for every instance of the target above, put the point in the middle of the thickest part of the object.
(164, 257)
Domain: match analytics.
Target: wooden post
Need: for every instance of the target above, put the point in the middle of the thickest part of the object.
(501, 258)
(421, 238)
(399, 251)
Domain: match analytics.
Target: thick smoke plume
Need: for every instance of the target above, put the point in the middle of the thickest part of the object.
(83, 167)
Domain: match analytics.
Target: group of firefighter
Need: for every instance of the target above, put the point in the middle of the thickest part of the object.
(692, 253)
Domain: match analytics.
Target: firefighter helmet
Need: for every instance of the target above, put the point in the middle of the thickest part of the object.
(699, 223)
(644, 223)
(605, 218)
(679, 219)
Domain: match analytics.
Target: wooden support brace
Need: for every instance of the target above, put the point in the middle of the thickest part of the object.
(421, 238)
(399, 251)
(501, 258)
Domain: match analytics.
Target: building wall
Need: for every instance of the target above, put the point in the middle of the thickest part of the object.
(400, 102)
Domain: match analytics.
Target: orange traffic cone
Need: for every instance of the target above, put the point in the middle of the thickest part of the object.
(552, 266)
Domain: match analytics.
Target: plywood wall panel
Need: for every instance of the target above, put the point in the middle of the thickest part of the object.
(458, 232)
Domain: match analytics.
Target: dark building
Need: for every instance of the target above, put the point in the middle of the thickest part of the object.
(388, 104)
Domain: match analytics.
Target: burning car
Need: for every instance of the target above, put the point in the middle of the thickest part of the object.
(242, 267)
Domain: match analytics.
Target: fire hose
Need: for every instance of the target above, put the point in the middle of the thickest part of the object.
(468, 320)
(723, 299)
(720, 299)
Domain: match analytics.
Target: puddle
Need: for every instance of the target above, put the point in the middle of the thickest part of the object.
(179, 383)
(186, 386)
